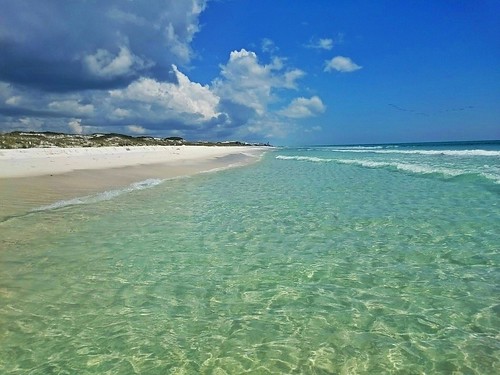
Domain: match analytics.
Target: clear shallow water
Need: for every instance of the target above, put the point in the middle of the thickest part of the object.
(322, 261)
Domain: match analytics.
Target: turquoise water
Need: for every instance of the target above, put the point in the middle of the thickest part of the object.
(331, 260)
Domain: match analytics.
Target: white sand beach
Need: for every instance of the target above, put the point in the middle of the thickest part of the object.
(50, 161)
(30, 178)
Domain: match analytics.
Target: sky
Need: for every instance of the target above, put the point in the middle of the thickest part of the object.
(289, 72)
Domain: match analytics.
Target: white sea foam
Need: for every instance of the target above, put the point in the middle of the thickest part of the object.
(406, 167)
(104, 196)
(360, 148)
(414, 168)
(304, 158)
(422, 152)
(491, 176)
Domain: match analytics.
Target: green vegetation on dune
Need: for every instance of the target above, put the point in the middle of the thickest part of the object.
(18, 139)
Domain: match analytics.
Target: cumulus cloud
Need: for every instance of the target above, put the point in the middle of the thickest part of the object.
(341, 64)
(119, 113)
(185, 100)
(57, 70)
(104, 64)
(304, 107)
(75, 126)
(247, 82)
(136, 129)
(238, 104)
(71, 107)
(70, 53)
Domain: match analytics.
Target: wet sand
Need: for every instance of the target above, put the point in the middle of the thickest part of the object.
(39, 178)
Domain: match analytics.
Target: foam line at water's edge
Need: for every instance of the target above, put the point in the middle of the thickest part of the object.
(99, 197)
(149, 183)
(110, 194)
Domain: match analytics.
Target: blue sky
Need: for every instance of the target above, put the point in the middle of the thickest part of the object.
(288, 72)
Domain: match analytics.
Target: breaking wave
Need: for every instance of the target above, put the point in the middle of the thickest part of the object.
(413, 168)
(304, 158)
(420, 152)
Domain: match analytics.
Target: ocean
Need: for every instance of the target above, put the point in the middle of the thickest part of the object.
(379, 259)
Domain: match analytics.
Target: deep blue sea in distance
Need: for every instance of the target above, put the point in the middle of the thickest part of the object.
(362, 259)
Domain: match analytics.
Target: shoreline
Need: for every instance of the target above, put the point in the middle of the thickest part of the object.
(51, 161)
(32, 178)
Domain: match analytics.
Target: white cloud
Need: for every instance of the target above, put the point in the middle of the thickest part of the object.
(194, 97)
(303, 107)
(180, 32)
(14, 100)
(247, 82)
(75, 126)
(291, 77)
(324, 43)
(136, 129)
(341, 64)
(239, 104)
(154, 99)
(119, 113)
(124, 37)
(103, 77)
(105, 65)
(175, 44)
(72, 106)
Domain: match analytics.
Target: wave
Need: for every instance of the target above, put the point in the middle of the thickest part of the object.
(304, 158)
(363, 147)
(407, 167)
(104, 196)
(422, 152)
(419, 169)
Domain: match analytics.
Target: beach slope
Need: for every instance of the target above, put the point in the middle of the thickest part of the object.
(34, 177)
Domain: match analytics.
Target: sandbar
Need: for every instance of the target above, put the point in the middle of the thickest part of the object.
(31, 178)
